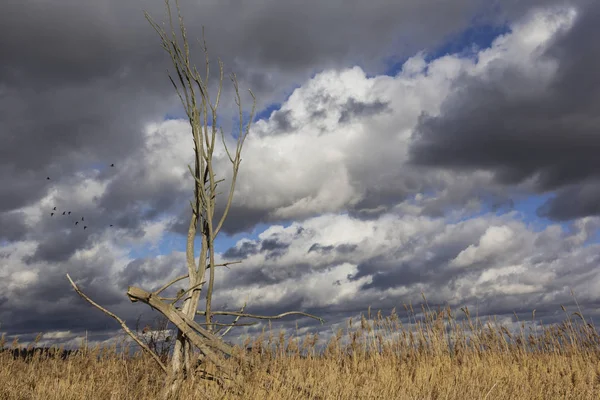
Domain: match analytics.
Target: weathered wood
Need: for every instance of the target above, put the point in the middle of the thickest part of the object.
(185, 324)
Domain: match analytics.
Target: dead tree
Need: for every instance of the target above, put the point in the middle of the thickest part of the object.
(182, 310)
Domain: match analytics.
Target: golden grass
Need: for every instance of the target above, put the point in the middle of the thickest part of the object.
(377, 359)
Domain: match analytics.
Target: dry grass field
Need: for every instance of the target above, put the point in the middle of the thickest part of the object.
(374, 358)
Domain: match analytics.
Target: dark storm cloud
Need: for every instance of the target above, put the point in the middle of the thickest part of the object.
(19, 188)
(551, 135)
(377, 201)
(283, 120)
(274, 248)
(59, 246)
(242, 219)
(341, 249)
(12, 226)
(59, 236)
(150, 273)
(573, 201)
(241, 252)
(56, 304)
(79, 81)
(273, 244)
(239, 219)
(319, 248)
(355, 108)
(433, 269)
(139, 268)
(128, 205)
(50, 303)
(346, 248)
(266, 276)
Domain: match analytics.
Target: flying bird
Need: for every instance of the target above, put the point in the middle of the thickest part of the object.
(51, 214)
(69, 213)
(85, 227)
(110, 224)
(54, 208)
(112, 165)
(82, 218)
(64, 212)
(76, 222)
(48, 178)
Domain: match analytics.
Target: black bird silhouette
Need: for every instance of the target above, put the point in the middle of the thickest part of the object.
(110, 224)
(76, 222)
(85, 227)
(82, 218)
(54, 208)
(51, 214)
(112, 165)
(69, 212)
(48, 178)
(64, 212)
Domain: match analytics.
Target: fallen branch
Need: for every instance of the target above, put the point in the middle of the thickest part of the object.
(186, 325)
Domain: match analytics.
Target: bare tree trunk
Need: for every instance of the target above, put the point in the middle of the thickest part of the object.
(195, 98)
(176, 373)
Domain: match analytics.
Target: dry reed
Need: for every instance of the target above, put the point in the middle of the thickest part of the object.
(439, 358)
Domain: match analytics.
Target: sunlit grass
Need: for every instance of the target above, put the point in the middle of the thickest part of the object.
(377, 357)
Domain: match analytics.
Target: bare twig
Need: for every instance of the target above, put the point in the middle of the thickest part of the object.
(183, 293)
(227, 264)
(234, 322)
(237, 160)
(179, 278)
(234, 313)
(228, 325)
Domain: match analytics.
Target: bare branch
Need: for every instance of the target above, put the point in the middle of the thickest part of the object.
(121, 322)
(285, 314)
(179, 278)
(234, 322)
(183, 293)
(231, 325)
(236, 162)
(225, 146)
(226, 265)
(176, 89)
(201, 193)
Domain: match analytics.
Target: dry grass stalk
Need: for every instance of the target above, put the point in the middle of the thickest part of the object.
(374, 360)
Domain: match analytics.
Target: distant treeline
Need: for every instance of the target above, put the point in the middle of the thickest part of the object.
(28, 354)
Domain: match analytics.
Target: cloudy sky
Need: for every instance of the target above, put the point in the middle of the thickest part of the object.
(407, 147)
